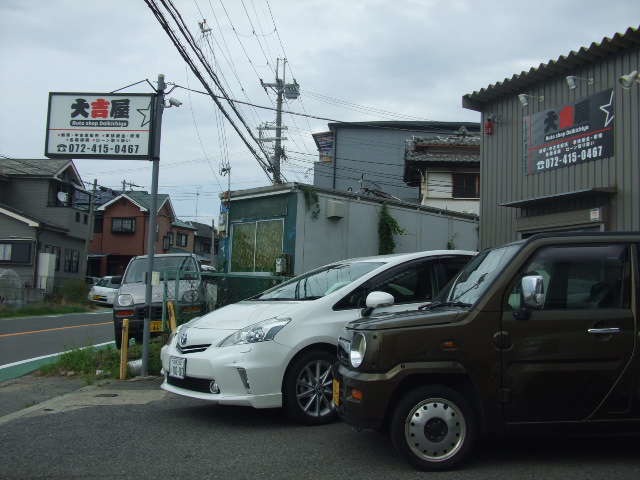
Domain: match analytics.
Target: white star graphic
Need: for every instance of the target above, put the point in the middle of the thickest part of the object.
(146, 115)
(607, 108)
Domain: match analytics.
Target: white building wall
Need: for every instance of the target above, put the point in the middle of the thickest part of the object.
(322, 240)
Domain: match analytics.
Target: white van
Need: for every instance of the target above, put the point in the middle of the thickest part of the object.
(130, 300)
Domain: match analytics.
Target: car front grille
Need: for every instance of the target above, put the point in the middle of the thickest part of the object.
(193, 348)
(156, 313)
(190, 383)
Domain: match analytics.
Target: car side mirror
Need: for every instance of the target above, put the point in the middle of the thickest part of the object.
(533, 291)
(376, 300)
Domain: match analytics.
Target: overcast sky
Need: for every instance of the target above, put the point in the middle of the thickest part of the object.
(355, 60)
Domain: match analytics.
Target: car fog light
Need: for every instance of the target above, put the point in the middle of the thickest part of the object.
(213, 387)
(245, 379)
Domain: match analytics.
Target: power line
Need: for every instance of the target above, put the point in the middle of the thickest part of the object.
(185, 55)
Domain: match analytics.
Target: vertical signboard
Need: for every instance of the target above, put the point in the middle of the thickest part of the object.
(324, 142)
(99, 125)
(570, 134)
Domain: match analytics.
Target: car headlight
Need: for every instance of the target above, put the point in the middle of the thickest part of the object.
(358, 349)
(258, 332)
(190, 296)
(125, 300)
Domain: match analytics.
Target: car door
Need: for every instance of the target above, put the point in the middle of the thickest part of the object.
(564, 361)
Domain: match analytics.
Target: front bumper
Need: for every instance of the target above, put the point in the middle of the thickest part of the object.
(136, 320)
(249, 375)
(375, 390)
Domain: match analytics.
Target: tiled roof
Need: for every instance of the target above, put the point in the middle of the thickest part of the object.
(562, 66)
(180, 224)
(33, 167)
(203, 230)
(144, 198)
(44, 223)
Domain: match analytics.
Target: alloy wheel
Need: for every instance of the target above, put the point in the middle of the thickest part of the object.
(313, 388)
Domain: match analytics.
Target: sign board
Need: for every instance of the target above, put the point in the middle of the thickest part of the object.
(324, 142)
(570, 134)
(99, 125)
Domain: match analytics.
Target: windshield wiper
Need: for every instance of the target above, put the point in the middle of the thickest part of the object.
(429, 306)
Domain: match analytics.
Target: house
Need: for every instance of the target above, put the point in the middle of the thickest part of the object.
(560, 147)
(120, 232)
(291, 228)
(204, 242)
(446, 170)
(354, 156)
(44, 209)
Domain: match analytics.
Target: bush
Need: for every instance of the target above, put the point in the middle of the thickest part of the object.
(71, 291)
(87, 361)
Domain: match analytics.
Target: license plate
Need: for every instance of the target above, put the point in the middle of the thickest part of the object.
(336, 392)
(155, 326)
(177, 367)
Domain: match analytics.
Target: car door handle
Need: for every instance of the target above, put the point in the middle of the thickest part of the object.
(604, 331)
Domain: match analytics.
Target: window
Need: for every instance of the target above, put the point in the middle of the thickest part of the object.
(320, 282)
(579, 277)
(170, 238)
(15, 252)
(77, 216)
(466, 185)
(123, 225)
(255, 245)
(71, 260)
(181, 239)
(85, 219)
(5, 252)
(408, 283)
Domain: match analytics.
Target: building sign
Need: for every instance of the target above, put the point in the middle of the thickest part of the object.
(99, 125)
(570, 134)
(324, 142)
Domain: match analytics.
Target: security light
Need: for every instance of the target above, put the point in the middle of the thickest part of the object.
(627, 80)
(572, 79)
(174, 102)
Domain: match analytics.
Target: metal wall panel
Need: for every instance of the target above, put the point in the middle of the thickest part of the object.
(503, 170)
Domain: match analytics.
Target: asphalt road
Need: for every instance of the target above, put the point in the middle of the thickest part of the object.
(29, 337)
(140, 432)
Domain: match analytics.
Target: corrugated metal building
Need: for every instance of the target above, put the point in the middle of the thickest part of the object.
(359, 155)
(561, 144)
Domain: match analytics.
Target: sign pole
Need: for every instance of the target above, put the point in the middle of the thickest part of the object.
(151, 233)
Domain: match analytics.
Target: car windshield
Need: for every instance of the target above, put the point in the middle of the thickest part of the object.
(318, 283)
(478, 275)
(167, 266)
(103, 282)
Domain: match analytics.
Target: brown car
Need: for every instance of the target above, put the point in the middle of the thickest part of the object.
(540, 332)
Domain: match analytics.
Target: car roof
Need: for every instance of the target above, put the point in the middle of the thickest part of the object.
(402, 257)
(162, 255)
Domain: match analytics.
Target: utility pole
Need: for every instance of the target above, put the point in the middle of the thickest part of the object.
(289, 91)
(151, 233)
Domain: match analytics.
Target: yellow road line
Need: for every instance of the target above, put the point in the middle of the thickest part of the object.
(53, 329)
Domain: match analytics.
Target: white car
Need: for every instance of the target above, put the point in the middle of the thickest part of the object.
(277, 348)
(104, 291)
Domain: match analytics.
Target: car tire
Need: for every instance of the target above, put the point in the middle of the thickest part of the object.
(308, 388)
(433, 427)
(118, 335)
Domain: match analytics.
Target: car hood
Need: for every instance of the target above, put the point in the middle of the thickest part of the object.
(440, 316)
(245, 313)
